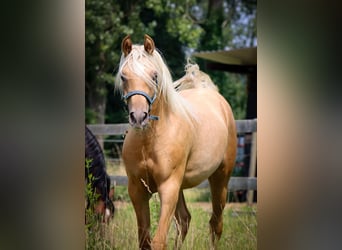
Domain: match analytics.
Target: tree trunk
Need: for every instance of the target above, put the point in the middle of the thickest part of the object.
(97, 103)
(95, 100)
(215, 6)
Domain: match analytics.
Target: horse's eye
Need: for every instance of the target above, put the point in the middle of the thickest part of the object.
(123, 78)
(155, 78)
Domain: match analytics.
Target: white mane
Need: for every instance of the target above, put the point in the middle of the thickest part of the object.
(194, 78)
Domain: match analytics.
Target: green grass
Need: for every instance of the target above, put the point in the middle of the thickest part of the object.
(239, 230)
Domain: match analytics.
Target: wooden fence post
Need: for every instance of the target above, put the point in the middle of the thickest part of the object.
(252, 166)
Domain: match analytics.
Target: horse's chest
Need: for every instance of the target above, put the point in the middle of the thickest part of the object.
(156, 163)
(137, 160)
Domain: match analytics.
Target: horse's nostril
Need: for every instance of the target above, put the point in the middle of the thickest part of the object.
(132, 117)
(144, 116)
(138, 118)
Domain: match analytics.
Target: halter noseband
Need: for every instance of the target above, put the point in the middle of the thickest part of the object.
(148, 98)
(138, 92)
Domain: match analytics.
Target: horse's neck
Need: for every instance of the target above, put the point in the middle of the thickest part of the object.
(160, 109)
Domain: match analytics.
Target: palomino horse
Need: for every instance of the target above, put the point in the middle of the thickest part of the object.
(176, 141)
(101, 182)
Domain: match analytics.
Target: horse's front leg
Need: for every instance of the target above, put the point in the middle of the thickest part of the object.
(140, 200)
(168, 193)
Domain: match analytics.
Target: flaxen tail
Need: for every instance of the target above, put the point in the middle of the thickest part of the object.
(194, 78)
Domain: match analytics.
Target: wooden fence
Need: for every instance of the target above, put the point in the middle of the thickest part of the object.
(235, 183)
(242, 126)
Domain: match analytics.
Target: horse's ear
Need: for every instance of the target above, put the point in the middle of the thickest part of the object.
(126, 45)
(148, 44)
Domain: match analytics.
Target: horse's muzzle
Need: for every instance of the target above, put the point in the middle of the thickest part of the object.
(138, 119)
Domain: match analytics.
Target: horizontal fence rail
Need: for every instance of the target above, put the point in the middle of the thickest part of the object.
(242, 126)
(235, 183)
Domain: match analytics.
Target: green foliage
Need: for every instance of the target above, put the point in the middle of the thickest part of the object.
(90, 115)
(91, 197)
(239, 26)
(95, 230)
(93, 225)
(197, 195)
(233, 88)
(121, 193)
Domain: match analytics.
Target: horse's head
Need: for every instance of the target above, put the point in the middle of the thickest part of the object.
(106, 208)
(138, 79)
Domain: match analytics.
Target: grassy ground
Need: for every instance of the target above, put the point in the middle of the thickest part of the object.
(239, 230)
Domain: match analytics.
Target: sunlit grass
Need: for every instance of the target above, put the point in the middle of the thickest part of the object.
(239, 230)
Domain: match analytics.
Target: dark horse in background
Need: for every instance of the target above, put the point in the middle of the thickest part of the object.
(101, 182)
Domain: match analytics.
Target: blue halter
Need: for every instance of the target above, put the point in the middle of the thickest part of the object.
(148, 98)
(138, 92)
